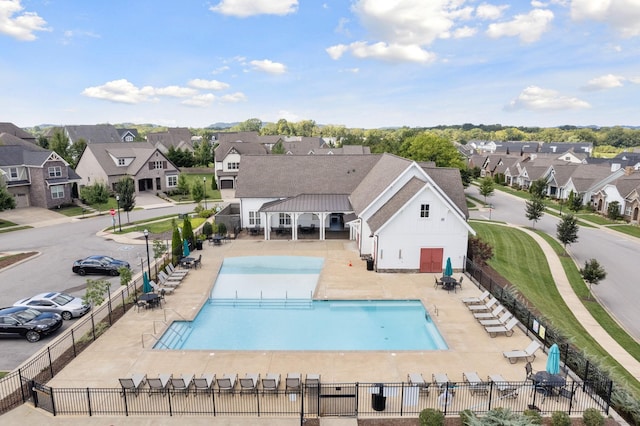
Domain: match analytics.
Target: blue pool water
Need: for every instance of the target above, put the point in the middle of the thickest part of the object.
(264, 303)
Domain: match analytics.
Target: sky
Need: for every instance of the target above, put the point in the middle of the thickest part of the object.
(357, 63)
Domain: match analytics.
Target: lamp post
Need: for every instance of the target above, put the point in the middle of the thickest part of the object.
(119, 222)
(146, 237)
(204, 184)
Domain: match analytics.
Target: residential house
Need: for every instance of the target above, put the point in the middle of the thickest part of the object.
(582, 149)
(93, 133)
(35, 176)
(176, 137)
(228, 154)
(150, 169)
(128, 135)
(13, 130)
(617, 191)
(404, 215)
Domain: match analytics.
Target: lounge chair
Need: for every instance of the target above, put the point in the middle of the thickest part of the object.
(133, 383)
(173, 274)
(476, 385)
(480, 300)
(164, 277)
(312, 381)
(204, 383)
(181, 384)
(171, 270)
(443, 382)
(506, 389)
(490, 315)
(416, 380)
(159, 289)
(486, 307)
(507, 329)
(528, 354)
(293, 383)
(270, 383)
(249, 383)
(227, 383)
(168, 283)
(159, 384)
(506, 316)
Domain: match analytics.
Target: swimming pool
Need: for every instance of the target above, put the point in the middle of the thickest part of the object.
(265, 303)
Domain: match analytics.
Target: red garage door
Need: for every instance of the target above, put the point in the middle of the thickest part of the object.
(431, 259)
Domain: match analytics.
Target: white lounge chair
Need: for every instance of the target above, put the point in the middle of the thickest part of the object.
(249, 383)
(506, 389)
(159, 288)
(485, 307)
(476, 385)
(133, 383)
(312, 380)
(227, 383)
(502, 320)
(270, 382)
(204, 383)
(173, 271)
(164, 277)
(443, 383)
(507, 329)
(159, 384)
(482, 299)
(490, 315)
(181, 384)
(293, 382)
(416, 379)
(528, 354)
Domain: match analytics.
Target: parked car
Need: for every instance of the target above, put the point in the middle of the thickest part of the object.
(64, 304)
(98, 264)
(28, 322)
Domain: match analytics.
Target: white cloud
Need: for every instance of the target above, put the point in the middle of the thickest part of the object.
(220, 70)
(490, 12)
(233, 97)
(535, 98)
(175, 91)
(202, 101)
(608, 81)
(383, 51)
(124, 91)
(464, 32)
(23, 25)
(622, 15)
(635, 80)
(268, 66)
(199, 83)
(245, 8)
(528, 28)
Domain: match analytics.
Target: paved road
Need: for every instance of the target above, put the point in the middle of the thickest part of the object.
(617, 253)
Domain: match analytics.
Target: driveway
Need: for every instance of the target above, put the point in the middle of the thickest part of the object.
(34, 216)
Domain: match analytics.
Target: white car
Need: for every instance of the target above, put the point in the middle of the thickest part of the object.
(61, 303)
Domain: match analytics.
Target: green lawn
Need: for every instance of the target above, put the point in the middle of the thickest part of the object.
(156, 226)
(6, 224)
(533, 279)
(631, 230)
(197, 179)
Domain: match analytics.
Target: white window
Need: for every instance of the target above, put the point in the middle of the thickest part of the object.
(128, 138)
(55, 171)
(233, 166)
(13, 173)
(172, 181)
(254, 218)
(157, 164)
(121, 162)
(424, 210)
(285, 219)
(57, 192)
(628, 211)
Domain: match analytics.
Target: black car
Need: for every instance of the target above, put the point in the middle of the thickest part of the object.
(103, 265)
(28, 322)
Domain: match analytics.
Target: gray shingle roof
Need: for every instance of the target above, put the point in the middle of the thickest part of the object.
(177, 137)
(395, 203)
(95, 133)
(310, 203)
(15, 151)
(12, 129)
(140, 151)
(450, 182)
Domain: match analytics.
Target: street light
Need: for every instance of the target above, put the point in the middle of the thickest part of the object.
(204, 184)
(119, 222)
(146, 237)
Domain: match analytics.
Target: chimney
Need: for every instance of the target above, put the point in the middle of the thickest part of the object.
(628, 171)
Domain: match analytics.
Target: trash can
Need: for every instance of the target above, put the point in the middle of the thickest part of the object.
(378, 400)
(369, 264)
(198, 244)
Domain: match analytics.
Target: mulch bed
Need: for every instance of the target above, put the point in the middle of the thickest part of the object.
(15, 258)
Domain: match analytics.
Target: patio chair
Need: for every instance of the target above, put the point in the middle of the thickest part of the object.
(443, 382)
(416, 380)
(490, 315)
(160, 289)
(181, 384)
(459, 282)
(270, 383)
(486, 307)
(502, 320)
(141, 304)
(204, 383)
(506, 389)
(249, 383)
(198, 262)
(507, 329)
(480, 300)
(227, 383)
(476, 385)
(293, 383)
(529, 353)
(133, 383)
(159, 384)
(437, 282)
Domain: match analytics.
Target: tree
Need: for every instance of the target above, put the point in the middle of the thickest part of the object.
(159, 248)
(95, 194)
(430, 147)
(486, 187)
(127, 192)
(60, 145)
(250, 125)
(202, 155)
(7, 201)
(278, 148)
(534, 209)
(94, 294)
(480, 251)
(176, 242)
(567, 230)
(75, 151)
(197, 192)
(183, 185)
(575, 202)
(125, 275)
(187, 231)
(613, 210)
(538, 188)
(592, 272)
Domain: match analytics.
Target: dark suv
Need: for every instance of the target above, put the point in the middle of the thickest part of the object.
(28, 322)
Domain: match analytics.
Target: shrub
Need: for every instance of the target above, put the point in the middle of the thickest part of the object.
(207, 229)
(466, 416)
(222, 229)
(592, 417)
(560, 418)
(533, 415)
(431, 417)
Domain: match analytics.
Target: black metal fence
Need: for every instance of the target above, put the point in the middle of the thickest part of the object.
(572, 357)
(325, 400)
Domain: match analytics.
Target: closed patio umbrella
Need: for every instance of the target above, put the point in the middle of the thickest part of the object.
(448, 270)
(553, 360)
(185, 248)
(146, 286)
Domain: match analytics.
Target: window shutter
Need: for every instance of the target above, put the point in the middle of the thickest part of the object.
(164, 165)
(150, 165)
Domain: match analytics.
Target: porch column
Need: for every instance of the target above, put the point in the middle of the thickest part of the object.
(263, 219)
(294, 226)
(323, 217)
(267, 227)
